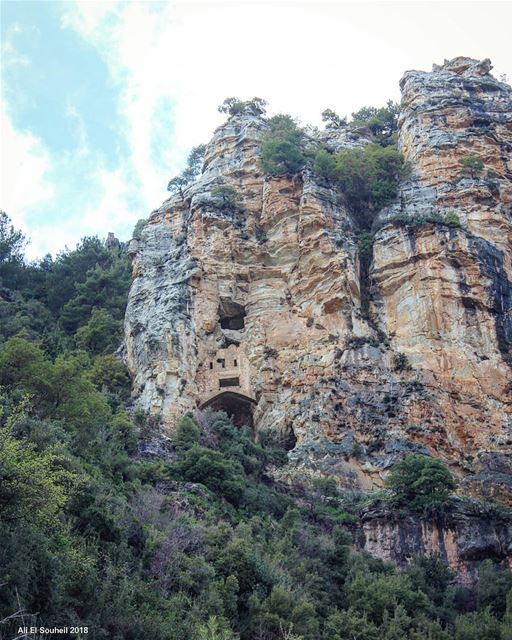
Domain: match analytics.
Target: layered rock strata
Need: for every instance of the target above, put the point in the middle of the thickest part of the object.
(354, 368)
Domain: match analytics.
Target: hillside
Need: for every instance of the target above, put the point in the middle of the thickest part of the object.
(283, 409)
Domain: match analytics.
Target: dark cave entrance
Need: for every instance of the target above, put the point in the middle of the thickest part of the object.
(238, 407)
(231, 315)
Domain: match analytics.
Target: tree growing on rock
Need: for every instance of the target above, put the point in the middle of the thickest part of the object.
(472, 166)
(281, 151)
(226, 197)
(382, 122)
(191, 171)
(235, 106)
(333, 120)
(420, 483)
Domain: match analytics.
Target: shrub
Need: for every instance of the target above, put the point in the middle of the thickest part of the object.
(139, 227)
(472, 166)
(101, 334)
(281, 151)
(211, 468)
(412, 222)
(368, 177)
(382, 121)
(420, 482)
(191, 171)
(333, 120)
(402, 362)
(325, 165)
(235, 106)
(227, 197)
(452, 219)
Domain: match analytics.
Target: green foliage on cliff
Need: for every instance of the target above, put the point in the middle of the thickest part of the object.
(472, 166)
(420, 483)
(199, 543)
(281, 151)
(189, 174)
(368, 177)
(235, 106)
(382, 121)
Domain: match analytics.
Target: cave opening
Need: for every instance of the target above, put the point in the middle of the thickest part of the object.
(231, 315)
(238, 407)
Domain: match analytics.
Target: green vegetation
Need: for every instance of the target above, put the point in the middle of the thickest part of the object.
(401, 362)
(281, 151)
(200, 544)
(139, 226)
(235, 106)
(333, 120)
(420, 483)
(382, 122)
(226, 197)
(368, 177)
(190, 173)
(472, 166)
(452, 219)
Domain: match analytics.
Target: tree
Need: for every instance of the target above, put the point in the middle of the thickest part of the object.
(32, 484)
(333, 120)
(105, 288)
(420, 482)
(101, 334)
(191, 171)
(369, 177)
(139, 226)
(12, 243)
(227, 197)
(480, 625)
(472, 166)
(235, 106)
(382, 121)
(325, 165)
(215, 629)
(281, 151)
(72, 267)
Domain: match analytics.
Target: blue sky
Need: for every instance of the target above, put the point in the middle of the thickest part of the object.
(101, 101)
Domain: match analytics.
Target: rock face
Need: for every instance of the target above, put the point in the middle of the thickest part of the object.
(354, 367)
(462, 540)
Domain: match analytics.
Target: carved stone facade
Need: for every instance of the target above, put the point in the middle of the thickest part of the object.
(226, 370)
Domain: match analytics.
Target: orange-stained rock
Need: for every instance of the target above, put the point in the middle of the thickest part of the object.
(358, 370)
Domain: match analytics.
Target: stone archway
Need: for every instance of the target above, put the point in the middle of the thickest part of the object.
(238, 406)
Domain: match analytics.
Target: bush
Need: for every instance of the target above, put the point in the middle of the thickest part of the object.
(281, 151)
(368, 177)
(382, 121)
(402, 362)
(191, 171)
(420, 482)
(325, 165)
(472, 166)
(235, 106)
(227, 197)
(333, 120)
(452, 219)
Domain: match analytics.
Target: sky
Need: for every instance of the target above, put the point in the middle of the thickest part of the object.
(102, 101)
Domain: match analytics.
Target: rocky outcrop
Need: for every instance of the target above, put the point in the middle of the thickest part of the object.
(444, 293)
(354, 369)
(461, 538)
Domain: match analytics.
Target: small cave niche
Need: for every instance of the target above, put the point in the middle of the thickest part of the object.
(289, 439)
(231, 315)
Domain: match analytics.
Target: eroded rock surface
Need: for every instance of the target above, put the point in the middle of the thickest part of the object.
(355, 370)
(462, 539)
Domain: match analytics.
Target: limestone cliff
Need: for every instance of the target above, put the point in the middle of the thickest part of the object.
(265, 309)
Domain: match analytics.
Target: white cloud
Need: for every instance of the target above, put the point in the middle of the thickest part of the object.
(25, 165)
(175, 62)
